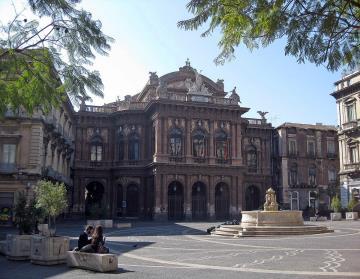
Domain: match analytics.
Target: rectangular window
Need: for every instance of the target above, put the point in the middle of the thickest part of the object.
(99, 153)
(351, 112)
(292, 147)
(353, 154)
(9, 153)
(332, 175)
(96, 153)
(330, 146)
(311, 148)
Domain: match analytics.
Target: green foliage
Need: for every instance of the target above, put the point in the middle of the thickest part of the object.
(51, 197)
(40, 63)
(352, 203)
(26, 214)
(322, 32)
(335, 204)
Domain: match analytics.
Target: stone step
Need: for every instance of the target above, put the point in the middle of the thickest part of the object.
(222, 233)
(236, 230)
(287, 229)
(281, 233)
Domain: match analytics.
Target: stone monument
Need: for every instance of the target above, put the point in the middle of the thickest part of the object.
(270, 221)
(270, 201)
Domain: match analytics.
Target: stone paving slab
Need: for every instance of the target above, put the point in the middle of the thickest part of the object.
(184, 250)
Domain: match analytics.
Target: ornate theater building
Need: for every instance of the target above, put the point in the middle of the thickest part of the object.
(178, 150)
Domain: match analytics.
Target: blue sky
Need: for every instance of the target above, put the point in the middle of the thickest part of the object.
(147, 39)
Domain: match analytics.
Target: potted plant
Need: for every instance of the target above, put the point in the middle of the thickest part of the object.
(351, 215)
(49, 250)
(336, 207)
(26, 214)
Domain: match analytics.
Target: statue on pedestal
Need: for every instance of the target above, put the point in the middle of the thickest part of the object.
(270, 201)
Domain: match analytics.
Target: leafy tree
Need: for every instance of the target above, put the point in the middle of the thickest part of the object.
(322, 32)
(335, 204)
(51, 198)
(43, 58)
(352, 203)
(26, 214)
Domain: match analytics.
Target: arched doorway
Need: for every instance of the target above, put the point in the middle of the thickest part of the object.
(175, 201)
(93, 198)
(252, 198)
(132, 201)
(198, 201)
(222, 201)
(119, 201)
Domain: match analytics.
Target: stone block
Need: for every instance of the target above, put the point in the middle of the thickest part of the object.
(18, 247)
(3, 247)
(336, 216)
(352, 215)
(105, 223)
(49, 250)
(321, 218)
(44, 229)
(92, 261)
(122, 225)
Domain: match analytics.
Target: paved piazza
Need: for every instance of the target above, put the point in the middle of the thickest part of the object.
(184, 250)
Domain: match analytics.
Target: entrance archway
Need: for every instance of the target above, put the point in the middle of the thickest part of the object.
(222, 201)
(175, 201)
(252, 198)
(132, 201)
(94, 196)
(199, 201)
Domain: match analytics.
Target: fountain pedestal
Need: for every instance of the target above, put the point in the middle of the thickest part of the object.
(272, 218)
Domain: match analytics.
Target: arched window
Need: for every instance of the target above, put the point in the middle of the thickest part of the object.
(96, 148)
(221, 145)
(175, 142)
(199, 143)
(312, 175)
(293, 175)
(134, 147)
(252, 160)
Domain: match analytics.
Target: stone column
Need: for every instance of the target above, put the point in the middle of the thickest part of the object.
(188, 141)
(165, 137)
(158, 140)
(212, 155)
(237, 159)
(233, 211)
(187, 197)
(211, 207)
(158, 212)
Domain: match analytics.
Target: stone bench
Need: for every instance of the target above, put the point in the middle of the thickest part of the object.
(321, 218)
(92, 261)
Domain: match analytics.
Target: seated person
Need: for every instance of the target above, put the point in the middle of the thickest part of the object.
(84, 237)
(97, 243)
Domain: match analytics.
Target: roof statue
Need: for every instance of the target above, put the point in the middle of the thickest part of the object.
(154, 79)
(197, 87)
(161, 90)
(234, 96)
(262, 114)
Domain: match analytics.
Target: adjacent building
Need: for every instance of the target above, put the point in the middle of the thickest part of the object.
(306, 165)
(347, 97)
(34, 147)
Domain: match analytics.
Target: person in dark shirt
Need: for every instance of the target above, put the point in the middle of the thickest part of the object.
(97, 242)
(84, 237)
